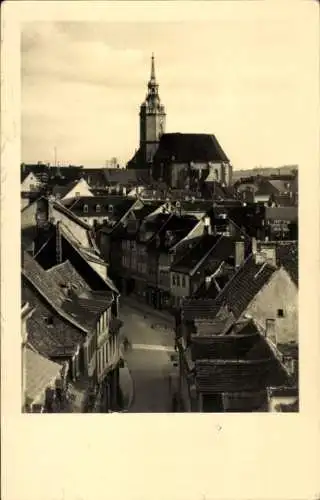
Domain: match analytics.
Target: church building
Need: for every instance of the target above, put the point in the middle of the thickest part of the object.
(152, 124)
(180, 160)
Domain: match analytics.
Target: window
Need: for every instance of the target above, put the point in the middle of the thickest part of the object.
(110, 209)
(85, 209)
(98, 208)
(178, 280)
(174, 279)
(183, 281)
(77, 194)
(280, 313)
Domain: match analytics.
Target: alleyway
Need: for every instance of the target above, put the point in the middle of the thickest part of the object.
(148, 360)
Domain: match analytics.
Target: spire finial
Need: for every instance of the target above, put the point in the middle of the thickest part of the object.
(153, 73)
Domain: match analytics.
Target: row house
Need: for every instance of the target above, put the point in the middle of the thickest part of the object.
(210, 257)
(77, 328)
(53, 234)
(264, 290)
(128, 219)
(269, 191)
(146, 256)
(39, 374)
(107, 233)
(97, 210)
(31, 187)
(226, 366)
(66, 190)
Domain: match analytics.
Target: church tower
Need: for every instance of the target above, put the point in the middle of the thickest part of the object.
(152, 119)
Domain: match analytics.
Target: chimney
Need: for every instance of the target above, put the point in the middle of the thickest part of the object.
(271, 333)
(208, 282)
(207, 226)
(254, 245)
(268, 250)
(239, 253)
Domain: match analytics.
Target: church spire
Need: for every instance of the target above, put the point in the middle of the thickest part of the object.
(153, 73)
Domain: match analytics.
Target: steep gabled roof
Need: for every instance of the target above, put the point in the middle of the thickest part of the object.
(65, 273)
(244, 286)
(59, 339)
(189, 147)
(68, 213)
(209, 246)
(90, 258)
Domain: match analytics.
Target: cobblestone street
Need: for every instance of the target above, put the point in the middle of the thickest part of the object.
(148, 360)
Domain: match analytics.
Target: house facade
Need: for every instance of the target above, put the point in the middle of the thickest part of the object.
(76, 328)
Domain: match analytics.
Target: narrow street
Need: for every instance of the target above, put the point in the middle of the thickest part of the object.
(148, 359)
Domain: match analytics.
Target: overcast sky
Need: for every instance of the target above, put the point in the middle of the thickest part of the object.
(247, 77)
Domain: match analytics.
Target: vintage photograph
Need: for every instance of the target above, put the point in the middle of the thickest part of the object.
(159, 216)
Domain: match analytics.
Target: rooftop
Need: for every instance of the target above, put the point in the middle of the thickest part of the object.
(40, 374)
(189, 147)
(244, 285)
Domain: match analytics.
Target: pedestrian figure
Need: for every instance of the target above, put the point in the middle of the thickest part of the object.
(126, 344)
(174, 403)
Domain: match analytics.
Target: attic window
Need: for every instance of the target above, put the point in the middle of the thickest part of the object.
(98, 208)
(280, 313)
(49, 320)
(85, 208)
(110, 209)
(78, 194)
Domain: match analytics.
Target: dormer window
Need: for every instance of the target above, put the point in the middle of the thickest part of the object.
(98, 208)
(110, 209)
(85, 209)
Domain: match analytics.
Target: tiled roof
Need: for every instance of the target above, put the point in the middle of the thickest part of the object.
(113, 207)
(40, 373)
(210, 247)
(189, 147)
(163, 224)
(199, 308)
(223, 346)
(85, 310)
(45, 283)
(89, 257)
(217, 376)
(65, 273)
(60, 339)
(244, 285)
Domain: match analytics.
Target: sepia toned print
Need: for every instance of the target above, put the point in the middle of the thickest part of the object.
(164, 279)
